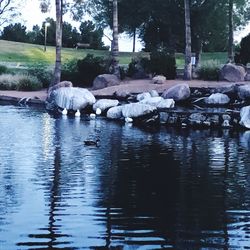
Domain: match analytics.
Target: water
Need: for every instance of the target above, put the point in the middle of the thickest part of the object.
(171, 189)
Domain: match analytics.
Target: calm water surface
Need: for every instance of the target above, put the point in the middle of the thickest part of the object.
(171, 189)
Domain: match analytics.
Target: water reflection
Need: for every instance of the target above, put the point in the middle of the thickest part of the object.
(171, 189)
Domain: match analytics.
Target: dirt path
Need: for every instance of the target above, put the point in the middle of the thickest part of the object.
(131, 86)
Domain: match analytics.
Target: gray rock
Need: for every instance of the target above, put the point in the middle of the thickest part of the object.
(105, 80)
(73, 98)
(232, 73)
(228, 89)
(244, 92)
(159, 79)
(115, 112)
(245, 117)
(218, 99)
(226, 117)
(137, 109)
(159, 102)
(196, 119)
(104, 104)
(247, 77)
(142, 96)
(179, 92)
(154, 93)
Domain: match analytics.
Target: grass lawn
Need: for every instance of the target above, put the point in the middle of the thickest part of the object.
(16, 54)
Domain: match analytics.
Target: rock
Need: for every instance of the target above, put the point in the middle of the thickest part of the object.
(159, 79)
(104, 104)
(218, 99)
(196, 119)
(244, 92)
(232, 73)
(245, 117)
(226, 117)
(228, 89)
(122, 94)
(245, 139)
(247, 77)
(105, 80)
(154, 93)
(72, 98)
(115, 112)
(62, 84)
(159, 102)
(137, 109)
(142, 96)
(179, 92)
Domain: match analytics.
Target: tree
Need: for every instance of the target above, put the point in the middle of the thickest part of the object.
(15, 32)
(230, 32)
(8, 10)
(188, 66)
(115, 47)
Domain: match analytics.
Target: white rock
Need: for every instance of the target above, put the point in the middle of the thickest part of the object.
(159, 102)
(137, 109)
(73, 98)
(115, 112)
(154, 93)
(166, 103)
(92, 116)
(159, 79)
(217, 98)
(98, 111)
(104, 104)
(245, 117)
(142, 96)
(128, 119)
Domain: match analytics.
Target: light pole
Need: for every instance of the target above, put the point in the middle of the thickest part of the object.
(46, 25)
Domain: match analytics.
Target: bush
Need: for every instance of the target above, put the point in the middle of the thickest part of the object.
(209, 71)
(19, 82)
(83, 72)
(138, 67)
(42, 73)
(243, 57)
(3, 69)
(163, 63)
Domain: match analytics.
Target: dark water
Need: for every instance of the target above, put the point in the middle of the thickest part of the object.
(172, 189)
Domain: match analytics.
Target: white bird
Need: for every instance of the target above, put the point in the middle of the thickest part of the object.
(92, 116)
(77, 113)
(65, 111)
(128, 120)
(98, 111)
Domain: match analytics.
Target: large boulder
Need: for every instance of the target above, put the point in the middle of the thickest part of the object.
(232, 73)
(142, 96)
(72, 98)
(66, 84)
(115, 112)
(159, 102)
(245, 117)
(105, 80)
(179, 92)
(217, 99)
(244, 92)
(104, 104)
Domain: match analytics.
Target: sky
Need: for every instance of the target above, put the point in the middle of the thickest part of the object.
(31, 15)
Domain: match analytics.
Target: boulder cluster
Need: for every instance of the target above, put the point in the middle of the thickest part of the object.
(150, 107)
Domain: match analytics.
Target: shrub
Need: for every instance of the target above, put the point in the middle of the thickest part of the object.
(19, 82)
(243, 57)
(83, 72)
(209, 71)
(163, 63)
(138, 67)
(42, 73)
(3, 69)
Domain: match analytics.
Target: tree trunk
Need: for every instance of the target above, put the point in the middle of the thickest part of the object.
(115, 48)
(134, 38)
(57, 71)
(188, 66)
(231, 34)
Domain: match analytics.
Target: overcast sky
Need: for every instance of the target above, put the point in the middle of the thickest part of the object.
(32, 15)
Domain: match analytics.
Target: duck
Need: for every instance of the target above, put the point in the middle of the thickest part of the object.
(92, 142)
(98, 111)
(65, 111)
(77, 113)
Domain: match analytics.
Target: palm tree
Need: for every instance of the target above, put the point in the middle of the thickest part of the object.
(231, 34)
(57, 71)
(188, 66)
(115, 47)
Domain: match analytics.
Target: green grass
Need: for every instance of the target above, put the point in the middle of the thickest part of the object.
(24, 54)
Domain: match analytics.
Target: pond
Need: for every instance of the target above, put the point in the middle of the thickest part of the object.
(168, 189)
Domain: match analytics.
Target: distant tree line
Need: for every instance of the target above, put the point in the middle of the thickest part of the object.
(88, 34)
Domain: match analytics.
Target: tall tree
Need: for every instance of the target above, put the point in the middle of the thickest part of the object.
(8, 10)
(57, 70)
(115, 46)
(188, 66)
(230, 32)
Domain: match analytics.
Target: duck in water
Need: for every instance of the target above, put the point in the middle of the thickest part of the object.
(92, 142)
